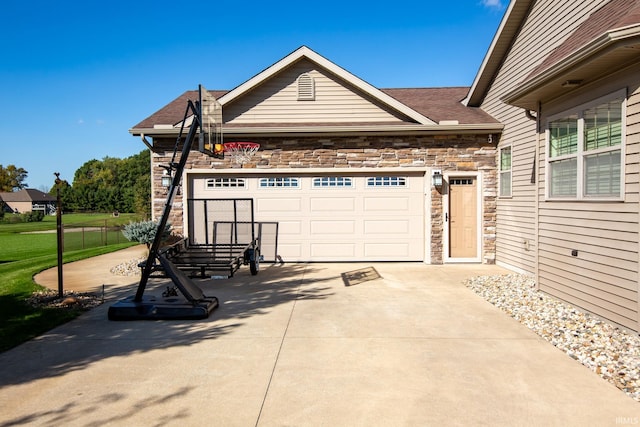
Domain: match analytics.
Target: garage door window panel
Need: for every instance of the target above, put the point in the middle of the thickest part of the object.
(214, 183)
(387, 181)
(333, 182)
(279, 182)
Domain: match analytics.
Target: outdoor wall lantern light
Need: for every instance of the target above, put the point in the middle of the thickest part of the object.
(436, 178)
(166, 179)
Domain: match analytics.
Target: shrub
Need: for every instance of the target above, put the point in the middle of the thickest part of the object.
(33, 216)
(13, 218)
(144, 231)
(16, 218)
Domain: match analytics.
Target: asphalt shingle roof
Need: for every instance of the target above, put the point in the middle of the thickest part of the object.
(614, 15)
(435, 103)
(27, 195)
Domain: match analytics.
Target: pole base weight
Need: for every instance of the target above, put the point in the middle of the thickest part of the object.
(151, 308)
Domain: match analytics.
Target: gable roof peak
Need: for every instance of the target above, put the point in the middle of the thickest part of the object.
(304, 52)
(508, 29)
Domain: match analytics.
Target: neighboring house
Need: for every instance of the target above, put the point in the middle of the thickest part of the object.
(28, 200)
(345, 168)
(564, 78)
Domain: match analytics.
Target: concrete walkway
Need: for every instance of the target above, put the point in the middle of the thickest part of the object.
(90, 274)
(295, 346)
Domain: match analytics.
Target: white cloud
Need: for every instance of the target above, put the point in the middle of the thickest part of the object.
(492, 3)
(80, 121)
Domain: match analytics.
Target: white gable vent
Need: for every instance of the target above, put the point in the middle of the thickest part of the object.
(306, 88)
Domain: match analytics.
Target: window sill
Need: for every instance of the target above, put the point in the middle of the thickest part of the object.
(585, 199)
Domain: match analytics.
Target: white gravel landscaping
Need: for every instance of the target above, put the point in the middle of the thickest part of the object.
(611, 352)
(129, 268)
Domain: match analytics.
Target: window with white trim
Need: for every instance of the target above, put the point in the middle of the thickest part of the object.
(386, 181)
(306, 88)
(225, 183)
(585, 151)
(332, 181)
(505, 171)
(279, 182)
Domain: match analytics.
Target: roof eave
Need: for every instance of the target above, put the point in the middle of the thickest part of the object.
(271, 131)
(530, 92)
(500, 45)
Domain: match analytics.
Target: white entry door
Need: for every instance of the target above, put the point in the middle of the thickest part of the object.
(462, 204)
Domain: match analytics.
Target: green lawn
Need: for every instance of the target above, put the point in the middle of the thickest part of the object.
(22, 256)
(49, 222)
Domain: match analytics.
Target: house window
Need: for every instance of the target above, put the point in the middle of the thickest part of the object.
(279, 182)
(332, 181)
(386, 181)
(505, 172)
(584, 157)
(306, 88)
(225, 183)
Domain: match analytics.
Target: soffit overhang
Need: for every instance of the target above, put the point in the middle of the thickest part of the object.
(611, 52)
(336, 131)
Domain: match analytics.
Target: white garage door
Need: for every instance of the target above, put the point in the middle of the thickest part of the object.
(332, 217)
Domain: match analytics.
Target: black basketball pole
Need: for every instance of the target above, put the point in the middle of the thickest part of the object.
(177, 169)
(59, 234)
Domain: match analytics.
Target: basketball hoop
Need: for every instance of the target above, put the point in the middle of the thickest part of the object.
(242, 152)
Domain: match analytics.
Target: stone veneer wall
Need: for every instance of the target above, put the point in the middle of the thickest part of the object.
(446, 152)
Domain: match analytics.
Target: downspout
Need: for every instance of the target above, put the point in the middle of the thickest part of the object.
(528, 113)
(144, 140)
(535, 180)
(535, 116)
(153, 190)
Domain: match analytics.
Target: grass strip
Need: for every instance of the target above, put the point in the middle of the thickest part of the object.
(20, 322)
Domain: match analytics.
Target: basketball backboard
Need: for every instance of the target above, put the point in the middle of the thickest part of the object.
(210, 113)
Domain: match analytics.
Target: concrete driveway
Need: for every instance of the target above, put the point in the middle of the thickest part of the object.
(295, 346)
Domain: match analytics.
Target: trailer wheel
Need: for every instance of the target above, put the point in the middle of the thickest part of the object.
(254, 262)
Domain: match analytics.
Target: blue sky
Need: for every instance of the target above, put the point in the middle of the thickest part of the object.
(76, 76)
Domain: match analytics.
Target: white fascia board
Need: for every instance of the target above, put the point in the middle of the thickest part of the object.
(412, 129)
(305, 52)
(370, 130)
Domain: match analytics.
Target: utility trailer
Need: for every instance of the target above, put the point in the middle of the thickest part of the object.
(207, 260)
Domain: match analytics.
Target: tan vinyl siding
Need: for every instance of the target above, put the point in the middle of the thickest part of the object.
(603, 277)
(276, 101)
(549, 23)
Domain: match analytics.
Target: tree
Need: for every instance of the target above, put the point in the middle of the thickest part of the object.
(84, 188)
(138, 176)
(66, 194)
(12, 178)
(112, 184)
(142, 196)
